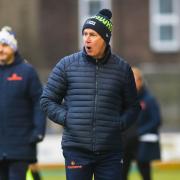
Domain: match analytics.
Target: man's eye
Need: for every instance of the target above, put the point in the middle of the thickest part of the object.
(93, 34)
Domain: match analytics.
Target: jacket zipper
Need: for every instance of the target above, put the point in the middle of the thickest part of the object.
(95, 107)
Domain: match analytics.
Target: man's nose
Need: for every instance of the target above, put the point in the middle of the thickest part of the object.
(87, 39)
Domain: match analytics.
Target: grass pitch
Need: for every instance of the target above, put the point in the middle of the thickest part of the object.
(157, 174)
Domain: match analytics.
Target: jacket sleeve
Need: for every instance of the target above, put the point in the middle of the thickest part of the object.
(154, 117)
(39, 119)
(131, 104)
(53, 94)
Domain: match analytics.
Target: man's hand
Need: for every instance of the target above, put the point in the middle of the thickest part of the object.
(35, 138)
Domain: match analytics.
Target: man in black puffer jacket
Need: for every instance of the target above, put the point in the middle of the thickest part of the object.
(22, 122)
(99, 98)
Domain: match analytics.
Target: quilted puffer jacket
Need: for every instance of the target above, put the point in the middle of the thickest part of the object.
(22, 122)
(95, 100)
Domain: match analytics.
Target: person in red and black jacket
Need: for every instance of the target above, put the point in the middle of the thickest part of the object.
(141, 141)
(22, 123)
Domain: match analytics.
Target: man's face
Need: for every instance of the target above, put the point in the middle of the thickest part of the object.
(93, 43)
(6, 54)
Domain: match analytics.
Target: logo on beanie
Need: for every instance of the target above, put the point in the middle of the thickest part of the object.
(105, 21)
(107, 35)
(91, 22)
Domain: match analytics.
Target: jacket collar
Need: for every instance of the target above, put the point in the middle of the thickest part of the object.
(103, 60)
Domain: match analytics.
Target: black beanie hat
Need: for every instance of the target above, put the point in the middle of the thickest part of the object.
(100, 23)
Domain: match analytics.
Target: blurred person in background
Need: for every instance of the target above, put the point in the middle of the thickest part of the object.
(100, 101)
(141, 141)
(22, 123)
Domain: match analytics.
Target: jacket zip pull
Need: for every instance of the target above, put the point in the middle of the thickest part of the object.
(94, 123)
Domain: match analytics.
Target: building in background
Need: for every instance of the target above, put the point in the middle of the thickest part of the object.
(146, 33)
(23, 17)
(144, 30)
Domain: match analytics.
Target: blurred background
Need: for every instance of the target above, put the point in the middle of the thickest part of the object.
(146, 33)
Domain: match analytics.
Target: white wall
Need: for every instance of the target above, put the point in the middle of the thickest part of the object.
(50, 152)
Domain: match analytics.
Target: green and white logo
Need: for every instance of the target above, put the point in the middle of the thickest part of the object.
(105, 21)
